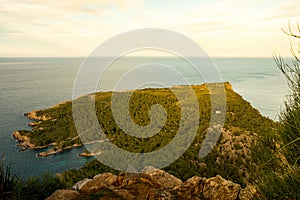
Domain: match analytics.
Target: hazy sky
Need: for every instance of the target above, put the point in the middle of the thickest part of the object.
(77, 27)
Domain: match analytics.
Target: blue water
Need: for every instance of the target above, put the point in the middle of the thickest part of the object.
(34, 83)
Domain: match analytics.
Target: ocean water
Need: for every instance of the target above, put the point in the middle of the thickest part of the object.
(34, 83)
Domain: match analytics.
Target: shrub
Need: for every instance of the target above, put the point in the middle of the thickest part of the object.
(9, 182)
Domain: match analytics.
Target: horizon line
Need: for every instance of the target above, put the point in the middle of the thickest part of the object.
(141, 56)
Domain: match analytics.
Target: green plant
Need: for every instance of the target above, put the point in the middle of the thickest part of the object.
(280, 185)
(43, 187)
(290, 116)
(9, 182)
(285, 184)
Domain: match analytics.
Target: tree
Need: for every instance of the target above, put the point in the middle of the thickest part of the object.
(290, 115)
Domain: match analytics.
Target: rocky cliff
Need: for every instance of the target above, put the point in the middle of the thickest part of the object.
(153, 184)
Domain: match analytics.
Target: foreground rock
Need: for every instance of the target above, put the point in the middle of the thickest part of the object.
(63, 194)
(219, 188)
(154, 184)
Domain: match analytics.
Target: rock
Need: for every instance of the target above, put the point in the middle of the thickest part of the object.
(153, 184)
(161, 195)
(248, 193)
(191, 187)
(149, 169)
(228, 85)
(126, 179)
(141, 190)
(160, 178)
(125, 194)
(54, 150)
(33, 124)
(80, 184)
(107, 180)
(49, 152)
(103, 194)
(19, 137)
(63, 195)
(24, 140)
(150, 184)
(219, 188)
(33, 115)
(86, 154)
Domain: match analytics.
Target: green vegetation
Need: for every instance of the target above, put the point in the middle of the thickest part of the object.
(58, 128)
(13, 187)
(240, 154)
(280, 185)
(248, 139)
(250, 146)
(41, 188)
(9, 182)
(290, 116)
(89, 170)
(251, 150)
(285, 184)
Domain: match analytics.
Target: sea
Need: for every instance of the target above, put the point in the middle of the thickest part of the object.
(28, 84)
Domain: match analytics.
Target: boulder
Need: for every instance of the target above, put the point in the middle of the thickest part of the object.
(160, 178)
(192, 187)
(219, 188)
(79, 184)
(107, 180)
(63, 195)
(248, 193)
(153, 184)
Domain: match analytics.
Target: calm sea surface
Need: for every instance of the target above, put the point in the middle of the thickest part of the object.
(34, 83)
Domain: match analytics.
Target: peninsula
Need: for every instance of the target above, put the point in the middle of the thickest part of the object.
(54, 127)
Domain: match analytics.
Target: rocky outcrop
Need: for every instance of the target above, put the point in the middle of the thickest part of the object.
(63, 195)
(81, 183)
(193, 187)
(33, 124)
(249, 192)
(33, 115)
(160, 178)
(219, 188)
(55, 150)
(86, 154)
(24, 140)
(153, 184)
(228, 85)
(106, 180)
(23, 137)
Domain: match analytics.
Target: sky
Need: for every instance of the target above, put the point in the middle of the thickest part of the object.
(225, 28)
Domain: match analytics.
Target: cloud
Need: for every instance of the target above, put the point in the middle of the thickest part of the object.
(57, 15)
(62, 23)
(80, 25)
(288, 9)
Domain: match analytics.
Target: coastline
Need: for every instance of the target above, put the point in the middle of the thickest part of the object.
(38, 116)
(23, 139)
(24, 143)
(89, 154)
(33, 115)
(54, 151)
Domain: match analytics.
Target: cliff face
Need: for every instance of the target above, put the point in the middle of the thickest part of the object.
(153, 184)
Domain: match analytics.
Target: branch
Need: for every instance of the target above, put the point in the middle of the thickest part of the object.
(290, 32)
